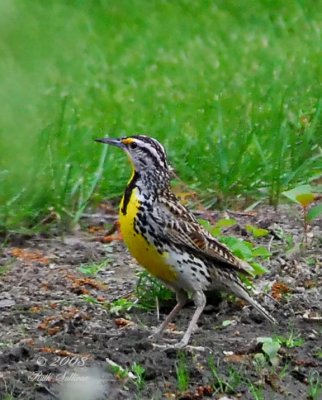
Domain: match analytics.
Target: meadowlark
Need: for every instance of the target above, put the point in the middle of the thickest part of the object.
(167, 240)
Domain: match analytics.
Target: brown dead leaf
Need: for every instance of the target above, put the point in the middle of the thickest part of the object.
(310, 283)
(240, 303)
(36, 309)
(28, 341)
(279, 289)
(94, 229)
(45, 286)
(90, 282)
(80, 290)
(236, 358)
(28, 256)
(59, 352)
(111, 238)
(108, 208)
(72, 312)
(200, 393)
(54, 330)
(55, 323)
(171, 327)
(275, 382)
(204, 391)
(46, 322)
(306, 363)
(122, 322)
(113, 234)
(77, 282)
(170, 395)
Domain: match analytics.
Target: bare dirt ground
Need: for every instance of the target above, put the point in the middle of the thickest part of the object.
(58, 338)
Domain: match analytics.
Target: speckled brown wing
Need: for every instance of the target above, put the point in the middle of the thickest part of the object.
(182, 228)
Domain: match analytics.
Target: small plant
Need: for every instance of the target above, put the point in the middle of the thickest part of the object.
(139, 372)
(287, 238)
(256, 391)
(119, 372)
(243, 249)
(8, 396)
(248, 252)
(93, 268)
(270, 349)
(290, 341)
(220, 225)
(148, 289)
(117, 307)
(304, 196)
(135, 373)
(318, 354)
(4, 269)
(224, 385)
(255, 231)
(89, 299)
(315, 386)
(120, 306)
(182, 373)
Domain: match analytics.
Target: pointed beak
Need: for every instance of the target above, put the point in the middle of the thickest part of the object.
(112, 141)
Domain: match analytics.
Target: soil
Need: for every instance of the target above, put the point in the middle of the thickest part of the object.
(59, 338)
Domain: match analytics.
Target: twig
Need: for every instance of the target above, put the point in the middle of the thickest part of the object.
(49, 391)
(118, 366)
(270, 243)
(157, 305)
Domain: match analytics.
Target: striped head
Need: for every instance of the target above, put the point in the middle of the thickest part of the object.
(146, 154)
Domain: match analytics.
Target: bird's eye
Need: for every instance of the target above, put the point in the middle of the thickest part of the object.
(133, 145)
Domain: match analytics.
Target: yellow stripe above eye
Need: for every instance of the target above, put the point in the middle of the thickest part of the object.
(127, 141)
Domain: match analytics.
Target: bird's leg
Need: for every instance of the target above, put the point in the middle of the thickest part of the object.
(199, 299)
(182, 298)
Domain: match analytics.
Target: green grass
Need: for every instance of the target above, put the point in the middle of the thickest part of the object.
(233, 90)
(315, 385)
(182, 372)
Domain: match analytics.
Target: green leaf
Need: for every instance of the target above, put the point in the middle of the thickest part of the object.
(240, 248)
(295, 192)
(258, 268)
(225, 223)
(216, 232)
(261, 251)
(221, 224)
(246, 281)
(256, 232)
(228, 322)
(314, 212)
(270, 347)
(121, 305)
(89, 299)
(92, 269)
(205, 223)
(305, 199)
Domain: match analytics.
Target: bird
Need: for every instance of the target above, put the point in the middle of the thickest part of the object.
(165, 237)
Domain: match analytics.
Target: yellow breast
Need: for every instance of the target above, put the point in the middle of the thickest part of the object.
(144, 252)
